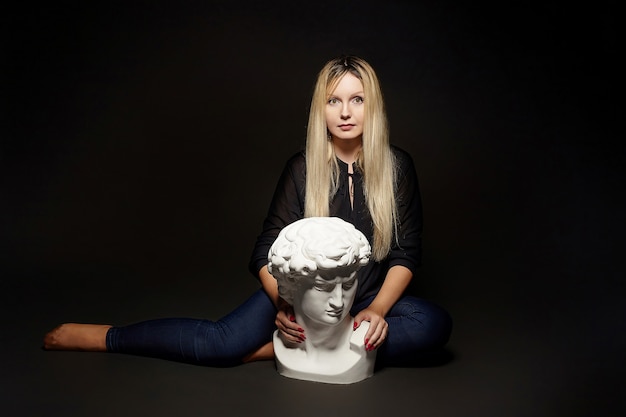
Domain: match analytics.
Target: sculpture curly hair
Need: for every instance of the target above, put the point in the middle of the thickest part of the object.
(309, 247)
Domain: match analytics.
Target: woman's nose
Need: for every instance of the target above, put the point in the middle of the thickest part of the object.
(345, 112)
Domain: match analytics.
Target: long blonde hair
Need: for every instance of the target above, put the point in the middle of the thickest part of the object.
(375, 160)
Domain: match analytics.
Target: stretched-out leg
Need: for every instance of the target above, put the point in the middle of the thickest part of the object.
(418, 331)
(241, 335)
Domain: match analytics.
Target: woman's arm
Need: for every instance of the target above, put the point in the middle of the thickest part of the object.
(287, 206)
(269, 284)
(396, 281)
(405, 255)
(285, 319)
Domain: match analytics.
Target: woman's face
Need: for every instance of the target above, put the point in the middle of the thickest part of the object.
(327, 301)
(345, 108)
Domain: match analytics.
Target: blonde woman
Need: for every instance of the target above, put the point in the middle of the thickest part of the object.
(347, 170)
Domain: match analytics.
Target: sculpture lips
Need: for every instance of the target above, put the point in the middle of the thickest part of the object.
(334, 313)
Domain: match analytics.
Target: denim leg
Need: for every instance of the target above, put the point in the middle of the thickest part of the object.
(204, 342)
(418, 330)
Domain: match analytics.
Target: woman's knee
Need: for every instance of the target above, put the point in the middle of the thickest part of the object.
(431, 324)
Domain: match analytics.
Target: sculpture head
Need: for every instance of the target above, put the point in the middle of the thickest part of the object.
(315, 261)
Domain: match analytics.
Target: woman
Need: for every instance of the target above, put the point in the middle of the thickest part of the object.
(350, 171)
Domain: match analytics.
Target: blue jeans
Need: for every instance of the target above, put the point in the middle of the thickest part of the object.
(418, 330)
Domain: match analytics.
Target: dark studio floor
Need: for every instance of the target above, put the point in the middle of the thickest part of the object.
(497, 368)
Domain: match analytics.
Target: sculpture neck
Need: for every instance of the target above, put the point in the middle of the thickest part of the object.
(322, 337)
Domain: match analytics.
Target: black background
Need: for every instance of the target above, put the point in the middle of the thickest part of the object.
(141, 142)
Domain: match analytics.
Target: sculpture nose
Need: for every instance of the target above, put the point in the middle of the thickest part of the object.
(336, 296)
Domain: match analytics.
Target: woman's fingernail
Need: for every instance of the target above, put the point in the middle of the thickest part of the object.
(366, 340)
(300, 329)
(354, 326)
(292, 318)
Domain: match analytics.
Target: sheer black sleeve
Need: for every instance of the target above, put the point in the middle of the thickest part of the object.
(286, 207)
(407, 251)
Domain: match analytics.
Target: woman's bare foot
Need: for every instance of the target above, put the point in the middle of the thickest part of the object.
(74, 336)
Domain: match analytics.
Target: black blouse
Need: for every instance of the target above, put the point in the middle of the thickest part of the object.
(287, 206)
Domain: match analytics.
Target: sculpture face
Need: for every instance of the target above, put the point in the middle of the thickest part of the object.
(327, 301)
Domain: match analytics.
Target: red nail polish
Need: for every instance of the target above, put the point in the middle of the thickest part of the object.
(300, 329)
(292, 318)
(366, 340)
(354, 326)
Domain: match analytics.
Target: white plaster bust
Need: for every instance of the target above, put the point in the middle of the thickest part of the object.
(315, 261)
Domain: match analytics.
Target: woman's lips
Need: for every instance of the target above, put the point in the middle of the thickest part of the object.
(346, 127)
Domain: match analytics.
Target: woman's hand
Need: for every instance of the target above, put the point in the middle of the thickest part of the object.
(289, 330)
(377, 333)
(396, 281)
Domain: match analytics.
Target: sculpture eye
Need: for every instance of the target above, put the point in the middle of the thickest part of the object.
(324, 286)
(349, 284)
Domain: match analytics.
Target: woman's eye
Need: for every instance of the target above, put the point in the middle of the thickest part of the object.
(358, 99)
(333, 101)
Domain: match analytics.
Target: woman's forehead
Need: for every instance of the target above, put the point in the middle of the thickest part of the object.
(348, 79)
